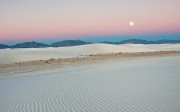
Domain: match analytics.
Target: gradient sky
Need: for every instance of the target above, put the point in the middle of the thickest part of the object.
(93, 20)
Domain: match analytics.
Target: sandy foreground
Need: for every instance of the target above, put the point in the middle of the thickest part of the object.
(13, 61)
(9, 56)
(28, 66)
(144, 84)
(110, 79)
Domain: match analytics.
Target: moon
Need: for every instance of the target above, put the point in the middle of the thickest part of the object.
(131, 23)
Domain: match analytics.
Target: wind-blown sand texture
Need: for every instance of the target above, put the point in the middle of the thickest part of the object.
(8, 56)
(20, 67)
(150, 84)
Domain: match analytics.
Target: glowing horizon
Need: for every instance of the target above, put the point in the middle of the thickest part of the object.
(37, 20)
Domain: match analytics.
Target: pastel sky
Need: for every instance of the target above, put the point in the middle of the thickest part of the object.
(26, 20)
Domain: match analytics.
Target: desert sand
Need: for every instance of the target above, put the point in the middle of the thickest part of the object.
(8, 56)
(28, 66)
(39, 58)
(149, 84)
(102, 78)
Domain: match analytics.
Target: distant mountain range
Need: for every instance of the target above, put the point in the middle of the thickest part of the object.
(30, 45)
(2, 46)
(139, 41)
(79, 42)
(69, 43)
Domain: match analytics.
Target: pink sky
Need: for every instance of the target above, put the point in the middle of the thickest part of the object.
(23, 19)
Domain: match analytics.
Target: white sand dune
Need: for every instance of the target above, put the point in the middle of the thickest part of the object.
(18, 55)
(136, 85)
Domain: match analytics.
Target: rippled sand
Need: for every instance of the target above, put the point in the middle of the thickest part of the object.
(150, 84)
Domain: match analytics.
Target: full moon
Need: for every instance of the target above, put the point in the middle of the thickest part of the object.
(131, 23)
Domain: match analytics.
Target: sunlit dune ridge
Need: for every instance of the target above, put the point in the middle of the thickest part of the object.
(28, 54)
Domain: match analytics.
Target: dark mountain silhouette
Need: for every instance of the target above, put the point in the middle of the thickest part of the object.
(166, 41)
(2, 46)
(106, 42)
(29, 45)
(69, 43)
(79, 42)
(140, 41)
(134, 41)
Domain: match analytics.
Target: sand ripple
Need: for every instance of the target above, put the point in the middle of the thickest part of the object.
(142, 85)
